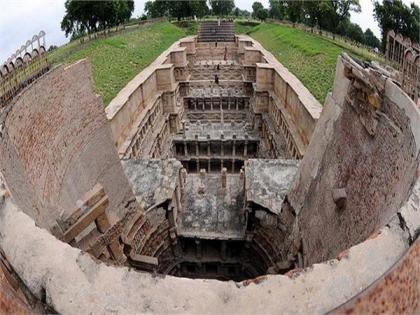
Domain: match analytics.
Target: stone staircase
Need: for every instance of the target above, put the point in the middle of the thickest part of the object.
(210, 31)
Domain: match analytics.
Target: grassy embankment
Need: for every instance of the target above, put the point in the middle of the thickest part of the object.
(117, 59)
(310, 57)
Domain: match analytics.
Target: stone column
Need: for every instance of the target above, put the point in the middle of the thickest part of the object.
(223, 250)
(197, 152)
(246, 146)
(183, 126)
(185, 148)
(198, 249)
(233, 145)
(224, 177)
(183, 181)
(222, 149)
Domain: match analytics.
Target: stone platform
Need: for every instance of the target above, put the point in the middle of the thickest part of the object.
(211, 211)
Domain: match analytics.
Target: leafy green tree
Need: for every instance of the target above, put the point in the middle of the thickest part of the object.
(222, 7)
(334, 12)
(313, 13)
(243, 13)
(258, 11)
(178, 9)
(277, 9)
(255, 7)
(154, 9)
(355, 32)
(91, 16)
(199, 8)
(395, 15)
(370, 39)
(236, 12)
(294, 10)
(262, 14)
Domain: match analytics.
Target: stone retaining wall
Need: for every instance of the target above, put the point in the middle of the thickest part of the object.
(300, 108)
(56, 144)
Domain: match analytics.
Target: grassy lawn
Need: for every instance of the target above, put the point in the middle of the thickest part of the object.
(117, 59)
(311, 58)
(189, 27)
(243, 27)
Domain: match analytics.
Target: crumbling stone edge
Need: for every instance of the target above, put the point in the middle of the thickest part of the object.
(72, 282)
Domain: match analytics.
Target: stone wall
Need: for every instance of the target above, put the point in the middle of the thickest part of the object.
(275, 85)
(366, 144)
(299, 109)
(133, 100)
(56, 145)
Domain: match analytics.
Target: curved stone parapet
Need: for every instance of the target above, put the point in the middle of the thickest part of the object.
(64, 274)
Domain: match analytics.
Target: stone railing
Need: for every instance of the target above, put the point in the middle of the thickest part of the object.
(24, 66)
(404, 55)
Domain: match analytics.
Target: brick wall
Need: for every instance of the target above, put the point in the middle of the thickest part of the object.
(57, 145)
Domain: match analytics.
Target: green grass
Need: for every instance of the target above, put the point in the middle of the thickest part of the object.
(117, 59)
(244, 26)
(189, 27)
(310, 57)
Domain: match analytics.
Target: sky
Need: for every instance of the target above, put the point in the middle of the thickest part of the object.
(21, 19)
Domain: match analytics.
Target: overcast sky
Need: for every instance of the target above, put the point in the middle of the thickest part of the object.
(21, 19)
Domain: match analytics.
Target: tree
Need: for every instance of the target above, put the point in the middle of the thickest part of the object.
(200, 8)
(313, 13)
(370, 39)
(334, 12)
(178, 9)
(294, 10)
(91, 16)
(255, 7)
(258, 11)
(355, 33)
(222, 7)
(239, 12)
(395, 15)
(277, 9)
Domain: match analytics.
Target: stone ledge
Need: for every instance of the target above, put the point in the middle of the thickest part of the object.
(75, 283)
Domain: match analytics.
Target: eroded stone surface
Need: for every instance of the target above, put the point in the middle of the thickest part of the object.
(153, 181)
(75, 284)
(268, 181)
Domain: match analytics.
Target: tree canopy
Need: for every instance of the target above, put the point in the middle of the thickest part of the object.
(222, 7)
(258, 11)
(330, 15)
(177, 9)
(326, 14)
(90, 16)
(395, 15)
